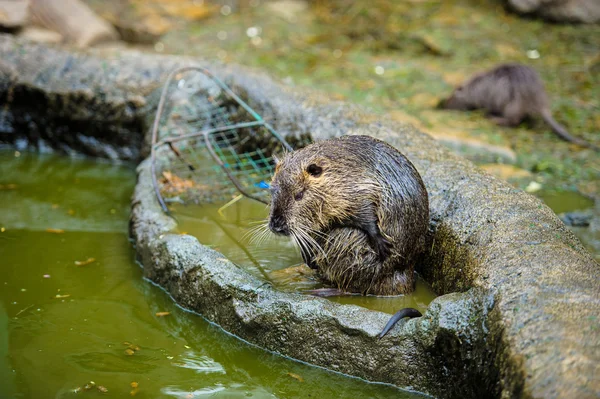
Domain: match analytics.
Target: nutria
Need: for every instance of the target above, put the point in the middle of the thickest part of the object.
(509, 93)
(358, 210)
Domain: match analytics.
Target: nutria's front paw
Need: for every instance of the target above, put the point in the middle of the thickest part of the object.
(383, 248)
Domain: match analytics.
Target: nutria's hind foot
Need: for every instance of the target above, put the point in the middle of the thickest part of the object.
(502, 121)
(399, 315)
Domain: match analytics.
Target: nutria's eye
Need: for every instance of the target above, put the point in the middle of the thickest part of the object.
(314, 170)
(299, 196)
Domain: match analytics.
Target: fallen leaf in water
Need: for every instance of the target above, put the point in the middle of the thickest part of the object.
(102, 389)
(296, 376)
(135, 389)
(175, 184)
(84, 262)
(55, 231)
(2, 229)
(8, 186)
(57, 296)
(131, 347)
(129, 352)
(161, 314)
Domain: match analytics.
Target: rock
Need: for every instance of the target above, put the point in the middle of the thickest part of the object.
(140, 32)
(458, 140)
(517, 315)
(40, 35)
(577, 218)
(474, 148)
(585, 11)
(506, 172)
(140, 23)
(115, 125)
(13, 13)
(74, 20)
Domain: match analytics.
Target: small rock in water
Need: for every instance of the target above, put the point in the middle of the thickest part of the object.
(102, 389)
(577, 218)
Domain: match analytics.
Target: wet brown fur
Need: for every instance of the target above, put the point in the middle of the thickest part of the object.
(509, 93)
(367, 188)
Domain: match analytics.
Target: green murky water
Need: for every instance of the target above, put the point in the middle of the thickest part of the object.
(274, 258)
(568, 201)
(63, 325)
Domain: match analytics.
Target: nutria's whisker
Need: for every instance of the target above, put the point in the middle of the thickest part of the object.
(300, 244)
(251, 231)
(310, 241)
(257, 234)
(263, 236)
(259, 222)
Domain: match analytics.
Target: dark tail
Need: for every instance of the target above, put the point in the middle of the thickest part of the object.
(562, 132)
(406, 312)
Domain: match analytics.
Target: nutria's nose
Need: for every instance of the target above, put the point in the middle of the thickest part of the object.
(278, 226)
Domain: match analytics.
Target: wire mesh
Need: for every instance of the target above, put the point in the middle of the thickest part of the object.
(208, 145)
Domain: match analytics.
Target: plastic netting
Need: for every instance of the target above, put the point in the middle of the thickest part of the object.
(208, 145)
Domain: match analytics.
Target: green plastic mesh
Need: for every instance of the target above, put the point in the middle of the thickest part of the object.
(207, 139)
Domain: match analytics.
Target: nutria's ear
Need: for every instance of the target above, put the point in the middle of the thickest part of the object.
(314, 170)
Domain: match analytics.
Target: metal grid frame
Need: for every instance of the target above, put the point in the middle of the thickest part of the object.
(208, 118)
